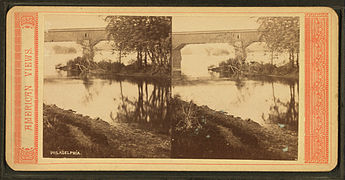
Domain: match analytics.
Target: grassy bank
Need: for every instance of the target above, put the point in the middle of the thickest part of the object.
(202, 132)
(64, 130)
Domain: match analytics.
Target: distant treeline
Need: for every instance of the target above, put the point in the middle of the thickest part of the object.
(64, 50)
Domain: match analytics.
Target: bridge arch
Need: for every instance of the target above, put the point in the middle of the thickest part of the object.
(240, 39)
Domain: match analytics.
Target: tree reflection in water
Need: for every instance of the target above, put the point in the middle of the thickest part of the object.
(149, 110)
(285, 113)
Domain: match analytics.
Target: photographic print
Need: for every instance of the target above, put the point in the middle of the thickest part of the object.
(236, 87)
(108, 87)
(183, 89)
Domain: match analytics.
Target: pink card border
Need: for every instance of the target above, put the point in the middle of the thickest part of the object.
(24, 155)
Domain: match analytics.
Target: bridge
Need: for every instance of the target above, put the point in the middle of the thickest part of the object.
(240, 39)
(76, 34)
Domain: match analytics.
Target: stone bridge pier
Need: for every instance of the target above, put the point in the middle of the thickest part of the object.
(176, 60)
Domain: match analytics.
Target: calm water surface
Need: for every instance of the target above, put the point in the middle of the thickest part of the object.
(264, 101)
(260, 101)
(109, 99)
(257, 100)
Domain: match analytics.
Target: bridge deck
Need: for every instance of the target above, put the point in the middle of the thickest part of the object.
(178, 38)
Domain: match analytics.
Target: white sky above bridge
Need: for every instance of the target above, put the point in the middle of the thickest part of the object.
(203, 23)
(180, 24)
(62, 21)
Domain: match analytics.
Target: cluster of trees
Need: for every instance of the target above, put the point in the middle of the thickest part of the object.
(148, 36)
(282, 35)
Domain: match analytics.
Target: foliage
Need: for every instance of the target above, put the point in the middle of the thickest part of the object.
(148, 36)
(230, 66)
(281, 34)
(108, 66)
(233, 67)
(257, 68)
(187, 120)
(81, 64)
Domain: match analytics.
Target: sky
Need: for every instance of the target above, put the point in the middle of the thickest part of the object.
(179, 23)
(199, 23)
(73, 21)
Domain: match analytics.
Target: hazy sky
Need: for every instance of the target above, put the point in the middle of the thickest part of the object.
(73, 21)
(200, 23)
(191, 23)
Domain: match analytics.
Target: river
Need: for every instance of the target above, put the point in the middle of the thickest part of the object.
(265, 100)
(259, 100)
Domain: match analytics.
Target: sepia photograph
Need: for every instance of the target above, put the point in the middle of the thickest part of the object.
(107, 86)
(171, 87)
(235, 87)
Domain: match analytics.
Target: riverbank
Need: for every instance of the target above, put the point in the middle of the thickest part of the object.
(196, 132)
(287, 79)
(137, 76)
(293, 76)
(203, 132)
(65, 131)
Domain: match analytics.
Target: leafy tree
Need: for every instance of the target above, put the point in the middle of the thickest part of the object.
(148, 36)
(281, 34)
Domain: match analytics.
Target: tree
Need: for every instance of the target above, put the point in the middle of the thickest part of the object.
(86, 62)
(119, 33)
(281, 34)
(148, 36)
